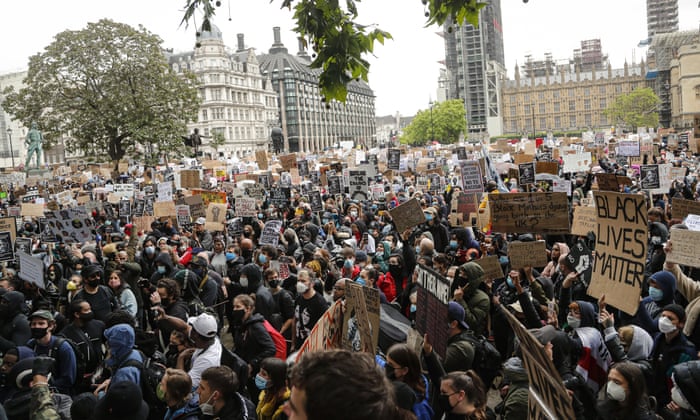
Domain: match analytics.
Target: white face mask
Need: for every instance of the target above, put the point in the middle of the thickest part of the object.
(301, 288)
(573, 321)
(244, 281)
(666, 325)
(207, 408)
(678, 398)
(615, 392)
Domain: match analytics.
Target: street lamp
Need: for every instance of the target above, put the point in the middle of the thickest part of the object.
(432, 128)
(12, 152)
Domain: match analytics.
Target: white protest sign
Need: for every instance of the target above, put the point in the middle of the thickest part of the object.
(165, 192)
(31, 269)
(245, 207)
(577, 162)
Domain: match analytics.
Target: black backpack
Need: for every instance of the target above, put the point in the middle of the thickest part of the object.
(80, 362)
(238, 365)
(487, 359)
(151, 373)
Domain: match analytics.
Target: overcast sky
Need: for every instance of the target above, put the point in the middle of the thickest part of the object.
(404, 72)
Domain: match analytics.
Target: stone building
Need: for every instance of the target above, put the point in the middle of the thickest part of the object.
(685, 86)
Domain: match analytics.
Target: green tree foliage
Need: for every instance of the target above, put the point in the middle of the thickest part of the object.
(341, 44)
(448, 122)
(635, 109)
(107, 88)
(217, 140)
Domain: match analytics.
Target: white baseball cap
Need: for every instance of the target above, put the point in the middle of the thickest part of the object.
(204, 324)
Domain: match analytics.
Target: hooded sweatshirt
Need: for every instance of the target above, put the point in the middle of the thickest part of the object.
(650, 310)
(264, 302)
(121, 344)
(476, 302)
(551, 267)
(163, 258)
(383, 259)
(14, 326)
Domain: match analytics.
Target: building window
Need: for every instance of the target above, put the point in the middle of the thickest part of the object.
(587, 92)
(572, 106)
(512, 110)
(589, 120)
(204, 115)
(603, 104)
(527, 109)
(555, 94)
(603, 119)
(697, 91)
(602, 90)
(214, 78)
(542, 109)
(572, 121)
(540, 96)
(543, 123)
(571, 93)
(587, 104)
(216, 94)
(557, 107)
(557, 122)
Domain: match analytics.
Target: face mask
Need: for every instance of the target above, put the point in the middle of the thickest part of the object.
(509, 281)
(348, 264)
(301, 288)
(655, 294)
(183, 248)
(150, 250)
(87, 317)
(262, 258)
(361, 281)
(573, 321)
(160, 393)
(503, 259)
(453, 244)
(207, 408)
(414, 307)
(274, 283)
(70, 286)
(417, 250)
(77, 272)
(244, 282)
(260, 382)
(39, 333)
(92, 283)
(428, 217)
(395, 271)
(666, 325)
(390, 371)
(165, 302)
(260, 216)
(237, 316)
(444, 401)
(52, 275)
(678, 398)
(615, 392)
(161, 269)
(353, 214)
(247, 234)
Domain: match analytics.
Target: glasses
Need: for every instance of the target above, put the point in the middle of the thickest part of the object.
(340, 289)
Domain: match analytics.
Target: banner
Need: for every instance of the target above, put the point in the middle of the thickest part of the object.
(621, 249)
(530, 212)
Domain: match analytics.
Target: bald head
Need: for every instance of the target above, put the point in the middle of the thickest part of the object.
(246, 245)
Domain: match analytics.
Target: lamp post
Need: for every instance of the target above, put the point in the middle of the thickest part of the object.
(432, 128)
(12, 152)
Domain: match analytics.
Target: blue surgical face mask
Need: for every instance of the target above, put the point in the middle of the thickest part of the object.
(414, 307)
(656, 294)
(417, 250)
(348, 264)
(509, 281)
(161, 269)
(503, 259)
(262, 258)
(428, 216)
(260, 216)
(453, 244)
(260, 382)
(361, 281)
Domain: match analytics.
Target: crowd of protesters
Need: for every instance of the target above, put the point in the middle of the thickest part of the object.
(184, 323)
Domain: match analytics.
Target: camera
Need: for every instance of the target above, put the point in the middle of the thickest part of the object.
(146, 284)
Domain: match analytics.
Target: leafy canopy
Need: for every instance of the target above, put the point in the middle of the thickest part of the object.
(108, 88)
(447, 123)
(635, 109)
(330, 27)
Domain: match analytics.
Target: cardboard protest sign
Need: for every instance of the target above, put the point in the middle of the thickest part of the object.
(334, 184)
(196, 204)
(684, 250)
(288, 161)
(124, 208)
(621, 249)
(271, 233)
(526, 173)
(407, 215)
(280, 197)
(32, 210)
(491, 266)
(680, 208)
(548, 397)
(163, 208)
(261, 159)
(547, 168)
(523, 158)
(665, 179)
(393, 157)
(358, 186)
(649, 176)
(165, 192)
(184, 217)
(530, 253)
(577, 162)
(471, 177)
(9, 224)
(245, 207)
(315, 201)
(216, 213)
(31, 269)
(357, 328)
(581, 259)
(584, 220)
(607, 182)
(327, 333)
(23, 245)
(189, 178)
(211, 196)
(7, 248)
(530, 212)
(431, 311)
(628, 148)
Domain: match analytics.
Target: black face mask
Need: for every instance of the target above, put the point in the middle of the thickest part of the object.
(165, 302)
(92, 283)
(390, 371)
(444, 402)
(274, 283)
(395, 271)
(87, 317)
(247, 253)
(39, 333)
(237, 316)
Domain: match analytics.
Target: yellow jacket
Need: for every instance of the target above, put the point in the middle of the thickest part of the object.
(272, 409)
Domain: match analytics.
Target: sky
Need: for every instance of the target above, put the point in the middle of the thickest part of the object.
(403, 72)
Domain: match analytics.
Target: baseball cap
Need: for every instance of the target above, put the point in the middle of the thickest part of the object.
(43, 314)
(201, 221)
(455, 312)
(204, 324)
(123, 400)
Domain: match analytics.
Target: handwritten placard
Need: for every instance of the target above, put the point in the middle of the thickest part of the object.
(684, 250)
(531, 253)
(680, 208)
(491, 266)
(530, 212)
(621, 249)
(584, 220)
(407, 215)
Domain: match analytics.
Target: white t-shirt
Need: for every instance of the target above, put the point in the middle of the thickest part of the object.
(203, 359)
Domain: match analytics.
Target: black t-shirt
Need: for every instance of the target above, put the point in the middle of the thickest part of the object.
(100, 302)
(89, 341)
(306, 313)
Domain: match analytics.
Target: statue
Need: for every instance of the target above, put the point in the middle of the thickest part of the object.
(193, 140)
(33, 142)
(277, 138)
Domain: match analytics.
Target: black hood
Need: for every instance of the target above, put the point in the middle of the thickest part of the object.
(254, 275)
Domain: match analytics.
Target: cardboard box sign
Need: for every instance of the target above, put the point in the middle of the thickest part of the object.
(584, 220)
(523, 254)
(530, 212)
(407, 215)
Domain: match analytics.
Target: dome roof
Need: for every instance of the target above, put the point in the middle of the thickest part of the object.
(214, 33)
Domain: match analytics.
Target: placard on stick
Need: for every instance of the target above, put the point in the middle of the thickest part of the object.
(407, 215)
(621, 249)
(530, 212)
(530, 253)
(607, 182)
(684, 249)
(680, 208)
(357, 327)
(9, 224)
(431, 313)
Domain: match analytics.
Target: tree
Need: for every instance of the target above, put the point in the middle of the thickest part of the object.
(635, 109)
(107, 88)
(447, 123)
(340, 42)
(217, 140)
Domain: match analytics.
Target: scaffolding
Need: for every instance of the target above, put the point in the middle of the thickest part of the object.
(665, 46)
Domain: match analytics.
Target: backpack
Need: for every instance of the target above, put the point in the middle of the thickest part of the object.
(80, 360)
(487, 359)
(151, 373)
(238, 365)
(278, 339)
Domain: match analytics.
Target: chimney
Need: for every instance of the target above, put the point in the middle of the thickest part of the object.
(302, 50)
(277, 46)
(278, 38)
(241, 42)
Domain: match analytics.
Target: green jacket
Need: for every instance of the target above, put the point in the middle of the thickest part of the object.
(42, 406)
(459, 355)
(476, 302)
